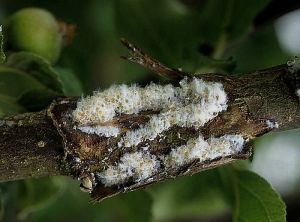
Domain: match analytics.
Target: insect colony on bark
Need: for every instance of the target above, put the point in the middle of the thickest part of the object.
(127, 136)
(191, 104)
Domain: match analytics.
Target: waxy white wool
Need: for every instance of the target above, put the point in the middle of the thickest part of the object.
(204, 150)
(192, 115)
(205, 101)
(137, 166)
(294, 64)
(192, 104)
(298, 93)
(141, 165)
(272, 124)
(107, 131)
(118, 99)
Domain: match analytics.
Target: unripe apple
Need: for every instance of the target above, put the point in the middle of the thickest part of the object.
(35, 30)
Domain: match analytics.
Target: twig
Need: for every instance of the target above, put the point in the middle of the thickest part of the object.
(143, 59)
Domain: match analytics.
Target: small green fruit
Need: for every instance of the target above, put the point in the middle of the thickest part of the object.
(35, 30)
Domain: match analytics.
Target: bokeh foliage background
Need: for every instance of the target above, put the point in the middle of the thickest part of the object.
(227, 36)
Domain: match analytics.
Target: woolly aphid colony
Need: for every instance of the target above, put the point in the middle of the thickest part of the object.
(191, 104)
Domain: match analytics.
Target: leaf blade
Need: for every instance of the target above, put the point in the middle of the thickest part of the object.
(8, 106)
(252, 198)
(37, 67)
(271, 203)
(13, 82)
(71, 84)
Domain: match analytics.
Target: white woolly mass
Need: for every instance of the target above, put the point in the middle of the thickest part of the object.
(107, 131)
(192, 115)
(138, 166)
(204, 150)
(298, 93)
(192, 104)
(272, 124)
(141, 166)
(294, 64)
(118, 99)
(203, 102)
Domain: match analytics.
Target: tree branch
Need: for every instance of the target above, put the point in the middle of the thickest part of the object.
(30, 146)
(49, 142)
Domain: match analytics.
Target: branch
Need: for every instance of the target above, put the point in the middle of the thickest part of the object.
(30, 146)
(75, 137)
(142, 58)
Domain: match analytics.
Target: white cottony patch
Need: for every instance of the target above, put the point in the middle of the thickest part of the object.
(137, 166)
(192, 104)
(199, 102)
(107, 131)
(104, 106)
(298, 93)
(192, 115)
(141, 166)
(204, 150)
(294, 64)
(118, 99)
(272, 124)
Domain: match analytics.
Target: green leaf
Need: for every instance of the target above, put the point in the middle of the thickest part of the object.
(225, 21)
(257, 51)
(37, 99)
(207, 65)
(175, 33)
(2, 55)
(158, 27)
(35, 83)
(13, 82)
(133, 206)
(242, 16)
(71, 84)
(252, 198)
(34, 194)
(188, 197)
(37, 67)
(15, 85)
(9, 106)
(232, 17)
(26, 196)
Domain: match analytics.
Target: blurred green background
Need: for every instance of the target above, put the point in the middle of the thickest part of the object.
(198, 36)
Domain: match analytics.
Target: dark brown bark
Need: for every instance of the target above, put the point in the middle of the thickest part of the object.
(30, 146)
(47, 143)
